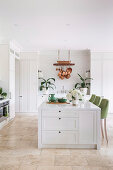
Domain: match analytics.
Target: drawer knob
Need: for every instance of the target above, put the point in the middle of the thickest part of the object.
(59, 111)
(59, 132)
(59, 118)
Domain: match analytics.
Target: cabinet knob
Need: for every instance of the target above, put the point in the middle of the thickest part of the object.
(20, 96)
(59, 111)
(59, 118)
(59, 132)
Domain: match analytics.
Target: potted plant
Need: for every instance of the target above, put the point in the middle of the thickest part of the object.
(2, 94)
(46, 84)
(84, 85)
(74, 96)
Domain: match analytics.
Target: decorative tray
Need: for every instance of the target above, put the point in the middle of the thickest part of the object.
(57, 103)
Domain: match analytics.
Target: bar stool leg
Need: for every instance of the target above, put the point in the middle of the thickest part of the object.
(105, 130)
(102, 128)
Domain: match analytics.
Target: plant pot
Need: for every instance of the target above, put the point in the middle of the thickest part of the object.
(45, 91)
(83, 91)
(75, 102)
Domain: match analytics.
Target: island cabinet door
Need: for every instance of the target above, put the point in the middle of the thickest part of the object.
(59, 137)
(86, 127)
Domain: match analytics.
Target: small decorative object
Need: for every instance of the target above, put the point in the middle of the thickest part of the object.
(40, 75)
(75, 102)
(62, 100)
(2, 94)
(52, 98)
(74, 95)
(64, 73)
(87, 74)
(47, 84)
(84, 85)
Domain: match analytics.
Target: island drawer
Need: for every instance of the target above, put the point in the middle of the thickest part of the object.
(59, 137)
(59, 123)
(61, 113)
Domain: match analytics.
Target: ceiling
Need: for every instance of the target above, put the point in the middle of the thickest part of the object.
(58, 24)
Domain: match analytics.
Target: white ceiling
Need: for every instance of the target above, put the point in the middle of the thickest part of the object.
(53, 24)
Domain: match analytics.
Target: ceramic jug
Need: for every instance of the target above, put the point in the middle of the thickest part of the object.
(52, 98)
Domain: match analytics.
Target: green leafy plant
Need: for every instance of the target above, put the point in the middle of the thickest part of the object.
(47, 83)
(84, 83)
(2, 94)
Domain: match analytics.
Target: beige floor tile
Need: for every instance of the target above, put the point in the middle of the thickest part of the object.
(18, 147)
(9, 160)
(20, 153)
(106, 152)
(54, 168)
(110, 168)
(36, 160)
(78, 168)
(56, 151)
(65, 168)
(28, 167)
(47, 168)
(101, 161)
(47, 160)
(30, 160)
(70, 160)
(9, 167)
(84, 152)
(96, 168)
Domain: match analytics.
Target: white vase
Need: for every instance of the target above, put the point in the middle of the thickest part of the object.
(83, 91)
(75, 102)
(45, 91)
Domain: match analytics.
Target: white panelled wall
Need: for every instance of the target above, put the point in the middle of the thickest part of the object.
(81, 58)
(27, 78)
(102, 73)
(27, 85)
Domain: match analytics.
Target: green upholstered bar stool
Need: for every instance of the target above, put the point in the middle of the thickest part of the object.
(97, 100)
(92, 98)
(104, 105)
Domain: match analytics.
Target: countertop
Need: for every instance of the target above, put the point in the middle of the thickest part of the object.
(81, 106)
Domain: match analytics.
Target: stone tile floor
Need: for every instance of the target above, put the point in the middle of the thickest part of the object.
(19, 151)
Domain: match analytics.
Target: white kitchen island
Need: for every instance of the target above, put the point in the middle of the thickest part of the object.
(67, 126)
